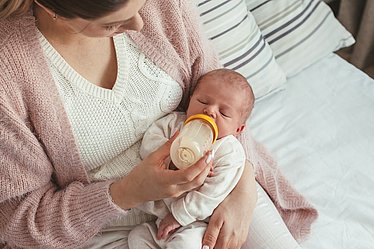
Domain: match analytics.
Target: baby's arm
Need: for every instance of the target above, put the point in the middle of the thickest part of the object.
(199, 204)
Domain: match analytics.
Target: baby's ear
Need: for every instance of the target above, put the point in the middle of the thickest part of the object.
(240, 129)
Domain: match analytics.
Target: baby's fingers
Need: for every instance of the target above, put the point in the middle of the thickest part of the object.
(161, 231)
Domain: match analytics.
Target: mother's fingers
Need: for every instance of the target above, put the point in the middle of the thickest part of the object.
(196, 172)
(228, 242)
(212, 232)
(198, 181)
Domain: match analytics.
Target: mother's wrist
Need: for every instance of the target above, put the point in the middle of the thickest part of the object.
(121, 194)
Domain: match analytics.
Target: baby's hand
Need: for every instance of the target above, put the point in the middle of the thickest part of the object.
(167, 226)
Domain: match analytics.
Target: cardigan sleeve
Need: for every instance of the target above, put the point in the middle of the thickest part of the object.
(46, 200)
(35, 212)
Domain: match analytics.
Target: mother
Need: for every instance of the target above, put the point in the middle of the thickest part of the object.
(77, 94)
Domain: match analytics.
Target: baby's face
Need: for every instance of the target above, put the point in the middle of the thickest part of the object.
(222, 102)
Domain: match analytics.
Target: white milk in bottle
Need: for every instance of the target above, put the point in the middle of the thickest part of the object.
(195, 138)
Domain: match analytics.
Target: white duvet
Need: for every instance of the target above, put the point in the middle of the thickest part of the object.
(320, 128)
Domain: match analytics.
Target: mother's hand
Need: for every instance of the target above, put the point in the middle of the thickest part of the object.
(228, 226)
(151, 180)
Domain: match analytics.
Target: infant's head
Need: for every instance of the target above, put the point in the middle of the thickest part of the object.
(226, 96)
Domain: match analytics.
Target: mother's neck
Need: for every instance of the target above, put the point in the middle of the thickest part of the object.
(55, 30)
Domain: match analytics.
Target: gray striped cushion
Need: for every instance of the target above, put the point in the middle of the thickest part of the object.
(300, 32)
(240, 45)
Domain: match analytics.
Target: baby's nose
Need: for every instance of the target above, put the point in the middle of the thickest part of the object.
(210, 112)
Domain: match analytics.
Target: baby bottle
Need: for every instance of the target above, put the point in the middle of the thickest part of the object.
(195, 138)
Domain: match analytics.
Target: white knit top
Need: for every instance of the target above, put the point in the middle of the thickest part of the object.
(108, 124)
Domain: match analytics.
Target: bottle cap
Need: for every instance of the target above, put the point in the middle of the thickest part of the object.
(208, 120)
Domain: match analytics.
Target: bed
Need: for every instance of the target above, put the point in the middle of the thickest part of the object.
(314, 111)
(320, 129)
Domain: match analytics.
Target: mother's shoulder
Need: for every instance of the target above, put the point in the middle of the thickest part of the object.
(16, 29)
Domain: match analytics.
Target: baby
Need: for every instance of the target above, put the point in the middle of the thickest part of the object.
(225, 96)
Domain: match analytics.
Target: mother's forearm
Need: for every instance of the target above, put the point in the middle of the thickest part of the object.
(245, 190)
(229, 224)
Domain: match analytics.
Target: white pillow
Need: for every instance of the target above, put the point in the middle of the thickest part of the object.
(240, 45)
(300, 32)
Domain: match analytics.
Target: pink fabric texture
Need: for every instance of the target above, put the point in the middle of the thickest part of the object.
(296, 211)
(46, 199)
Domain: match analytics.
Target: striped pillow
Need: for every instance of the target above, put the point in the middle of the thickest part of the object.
(300, 32)
(240, 45)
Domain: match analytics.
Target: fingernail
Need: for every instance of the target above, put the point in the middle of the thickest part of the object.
(205, 247)
(208, 159)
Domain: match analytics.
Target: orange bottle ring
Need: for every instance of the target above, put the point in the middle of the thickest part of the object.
(208, 120)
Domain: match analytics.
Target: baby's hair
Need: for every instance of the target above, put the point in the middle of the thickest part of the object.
(237, 80)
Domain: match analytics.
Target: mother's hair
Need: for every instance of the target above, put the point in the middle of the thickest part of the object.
(86, 9)
(13, 7)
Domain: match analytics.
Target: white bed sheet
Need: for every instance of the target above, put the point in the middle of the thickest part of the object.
(320, 129)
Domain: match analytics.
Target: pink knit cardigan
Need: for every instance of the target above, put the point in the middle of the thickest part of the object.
(46, 199)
